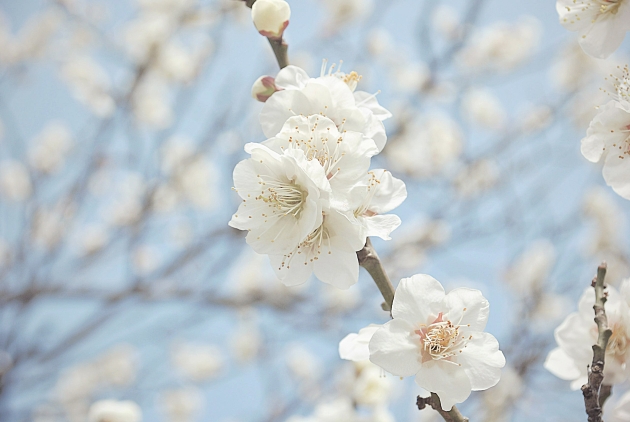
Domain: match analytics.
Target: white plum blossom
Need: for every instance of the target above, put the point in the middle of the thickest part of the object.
(608, 139)
(355, 347)
(483, 108)
(600, 24)
(50, 147)
(531, 270)
(439, 339)
(182, 405)
(198, 362)
(271, 17)
(381, 193)
(331, 95)
(114, 411)
(15, 181)
(283, 196)
(576, 335)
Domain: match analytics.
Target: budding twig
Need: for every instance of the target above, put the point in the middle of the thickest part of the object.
(279, 46)
(594, 393)
(368, 259)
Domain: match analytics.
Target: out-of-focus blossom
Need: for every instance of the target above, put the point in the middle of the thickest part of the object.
(49, 224)
(476, 178)
(303, 364)
(49, 149)
(447, 22)
(536, 118)
(114, 411)
(621, 410)
(181, 405)
(145, 259)
(118, 365)
(426, 146)
(127, 205)
(531, 269)
(198, 362)
(271, 17)
(151, 104)
(498, 399)
(484, 109)
(576, 335)
(439, 339)
(601, 25)
(92, 239)
(90, 84)
(15, 181)
(338, 300)
(573, 68)
(502, 46)
(246, 341)
(343, 12)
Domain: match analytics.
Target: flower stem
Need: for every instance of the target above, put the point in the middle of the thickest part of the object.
(279, 47)
(593, 388)
(368, 259)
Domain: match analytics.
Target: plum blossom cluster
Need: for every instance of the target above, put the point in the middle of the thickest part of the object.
(434, 336)
(309, 200)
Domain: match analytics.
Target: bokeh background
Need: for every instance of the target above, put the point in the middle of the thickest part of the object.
(120, 124)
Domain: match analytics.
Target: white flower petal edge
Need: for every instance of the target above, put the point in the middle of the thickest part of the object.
(354, 346)
(600, 24)
(437, 337)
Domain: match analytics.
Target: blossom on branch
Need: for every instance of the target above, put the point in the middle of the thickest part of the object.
(271, 17)
(437, 337)
(576, 335)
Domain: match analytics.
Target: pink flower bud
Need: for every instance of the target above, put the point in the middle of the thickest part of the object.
(263, 88)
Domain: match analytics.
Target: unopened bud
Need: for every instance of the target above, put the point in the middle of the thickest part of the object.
(271, 17)
(263, 88)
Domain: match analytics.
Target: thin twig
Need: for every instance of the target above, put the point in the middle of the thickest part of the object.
(453, 415)
(592, 389)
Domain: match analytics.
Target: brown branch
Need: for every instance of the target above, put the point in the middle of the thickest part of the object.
(452, 415)
(368, 259)
(592, 389)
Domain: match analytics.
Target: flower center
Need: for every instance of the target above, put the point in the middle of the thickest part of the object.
(285, 197)
(310, 248)
(441, 340)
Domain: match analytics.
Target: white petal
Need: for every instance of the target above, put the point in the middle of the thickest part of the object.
(418, 299)
(562, 365)
(390, 193)
(482, 360)
(369, 101)
(355, 346)
(467, 306)
(616, 171)
(448, 381)
(292, 77)
(381, 225)
(604, 36)
(339, 268)
(395, 347)
(294, 273)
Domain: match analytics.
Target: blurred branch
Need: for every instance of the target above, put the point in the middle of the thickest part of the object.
(591, 390)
